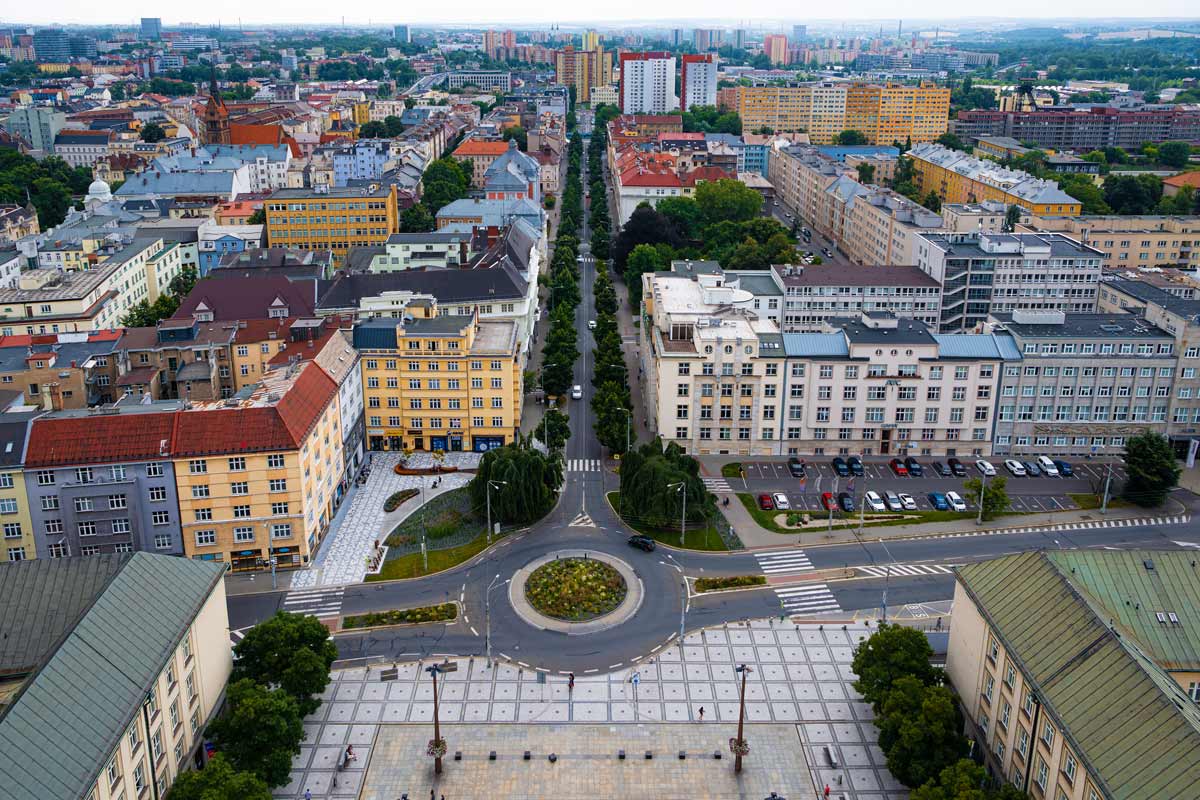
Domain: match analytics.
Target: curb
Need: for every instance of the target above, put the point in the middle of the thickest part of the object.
(459, 615)
(624, 612)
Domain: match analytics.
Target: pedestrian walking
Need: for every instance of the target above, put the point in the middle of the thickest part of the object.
(702, 713)
(571, 681)
(307, 794)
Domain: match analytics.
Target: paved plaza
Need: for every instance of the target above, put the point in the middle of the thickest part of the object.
(342, 558)
(800, 682)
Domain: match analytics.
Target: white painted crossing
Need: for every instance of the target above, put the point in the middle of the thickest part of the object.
(906, 569)
(582, 521)
(783, 562)
(583, 465)
(315, 602)
(716, 485)
(809, 598)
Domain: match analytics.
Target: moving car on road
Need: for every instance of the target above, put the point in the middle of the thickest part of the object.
(874, 501)
(591, 324)
(766, 503)
(577, 392)
(642, 543)
(1015, 467)
(781, 501)
(796, 467)
(956, 502)
(939, 501)
(985, 467)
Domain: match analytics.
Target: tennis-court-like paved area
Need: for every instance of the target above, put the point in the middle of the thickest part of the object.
(798, 702)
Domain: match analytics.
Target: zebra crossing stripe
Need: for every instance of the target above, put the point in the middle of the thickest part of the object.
(315, 602)
(583, 465)
(813, 597)
(789, 561)
(906, 569)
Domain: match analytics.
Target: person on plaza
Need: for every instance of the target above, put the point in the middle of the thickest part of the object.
(702, 713)
(571, 681)
(350, 753)
(307, 794)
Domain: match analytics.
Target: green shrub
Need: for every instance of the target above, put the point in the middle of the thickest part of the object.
(438, 613)
(731, 582)
(393, 502)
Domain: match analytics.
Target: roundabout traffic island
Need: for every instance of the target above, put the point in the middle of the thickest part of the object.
(576, 592)
(575, 589)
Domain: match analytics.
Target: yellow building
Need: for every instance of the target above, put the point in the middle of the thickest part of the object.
(15, 520)
(583, 69)
(257, 475)
(884, 113)
(956, 177)
(439, 381)
(780, 108)
(334, 219)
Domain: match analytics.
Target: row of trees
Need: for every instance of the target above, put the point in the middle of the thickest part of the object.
(562, 340)
(280, 669)
(920, 724)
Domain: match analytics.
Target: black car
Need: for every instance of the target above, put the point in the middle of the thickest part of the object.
(1064, 468)
(855, 464)
(846, 501)
(957, 467)
(840, 467)
(941, 469)
(914, 467)
(642, 543)
(796, 467)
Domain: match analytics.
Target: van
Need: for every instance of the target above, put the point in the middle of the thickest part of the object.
(1048, 466)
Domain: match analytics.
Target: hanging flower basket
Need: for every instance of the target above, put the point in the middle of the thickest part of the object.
(436, 748)
(739, 748)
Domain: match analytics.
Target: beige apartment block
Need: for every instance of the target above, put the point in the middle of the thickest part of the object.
(1132, 241)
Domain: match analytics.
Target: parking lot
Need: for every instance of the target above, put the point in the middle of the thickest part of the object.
(1031, 495)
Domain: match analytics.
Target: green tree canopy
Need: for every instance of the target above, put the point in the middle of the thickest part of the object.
(928, 741)
(417, 219)
(218, 781)
(260, 732)
(727, 200)
(153, 132)
(531, 480)
(518, 133)
(995, 495)
(850, 138)
(647, 471)
(892, 652)
(555, 426)
(1151, 469)
(292, 651)
(683, 214)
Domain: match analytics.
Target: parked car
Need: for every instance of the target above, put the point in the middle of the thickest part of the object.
(840, 467)
(642, 543)
(577, 392)
(874, 501)
(941, 469)
(781, 501)
(985, 467)
(938, 501)
(1048, 466)
(1064, 468)
(766, 503)
(827, 501)
(956, 502)
(1032, 469)
(846, 501)
(855, 464)
(907, 501)
(1015, 467)
(957, 467)
(893, 501)
(898, 466)
(914, 467)
(796, 467)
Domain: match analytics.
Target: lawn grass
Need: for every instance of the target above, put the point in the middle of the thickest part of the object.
(731, 470)
(401, 616)
(732, 582)
(1088, 501)
(707, 539)
(412, 566)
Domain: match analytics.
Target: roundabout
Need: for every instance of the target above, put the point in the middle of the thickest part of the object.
(576, 592)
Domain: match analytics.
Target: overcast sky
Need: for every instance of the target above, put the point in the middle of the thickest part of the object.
(485, 11)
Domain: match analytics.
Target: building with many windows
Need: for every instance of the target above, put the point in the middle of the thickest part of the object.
(334, 219)
(647, 83)
(1084, 384)
(1078, 671)
(884, 113)
(583, 69)
(19, 541)
(113, 667)
(816, 294)
(956, 177)
(1131, 242)
(698, 80)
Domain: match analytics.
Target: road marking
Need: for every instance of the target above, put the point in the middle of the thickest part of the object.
(582, 521)
(522, 663)
(614, 666)
(783, 562)
(473, 631)
(315, 602)
(906, 569)
(716, 484)
(590, 671)
(583, 465)
(807, 599)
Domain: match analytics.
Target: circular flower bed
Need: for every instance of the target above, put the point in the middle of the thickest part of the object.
(575, 589)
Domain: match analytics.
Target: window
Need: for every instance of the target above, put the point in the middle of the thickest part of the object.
(278, 485)
(279, 509)
(113, 770)
(154, 470)
(237, 464)
(1048, 735)
(8, 505)
(162, 542)
(241, 512)
(160, 518)
(198, 466)
(133, 737)
(275, 461)
(83, 475)
(281, 531)
(239, 488)
(12, 530)
(121, 526)
(243, 534)
(6, 481)
(1069, 766)
(83, 504)
(204, 538)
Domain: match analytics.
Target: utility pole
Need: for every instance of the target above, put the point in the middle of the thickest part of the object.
(681, 487)
(982, 492)
(1107, 485)
(489, 506)
(738, 745)
(487, 617)
(682, 612)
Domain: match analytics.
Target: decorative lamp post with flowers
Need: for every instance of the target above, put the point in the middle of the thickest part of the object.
(738, 745)
(437, 745)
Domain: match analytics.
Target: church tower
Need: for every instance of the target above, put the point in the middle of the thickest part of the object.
(216, 115)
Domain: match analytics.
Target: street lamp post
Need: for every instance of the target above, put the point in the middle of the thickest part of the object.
(982, 492)
(1107, 485)
(487, 616)
(490, 483)
(437, 747)
(681, 487)
(738, 745)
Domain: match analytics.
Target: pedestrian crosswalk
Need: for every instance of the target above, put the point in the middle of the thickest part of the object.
(583, 465)
(716, 485)
(810, 598)
(315, 602)
(783, 562)
(582, 521)
(887, 570)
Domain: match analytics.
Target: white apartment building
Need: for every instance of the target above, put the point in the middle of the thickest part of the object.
(698, 81)
(648, 83)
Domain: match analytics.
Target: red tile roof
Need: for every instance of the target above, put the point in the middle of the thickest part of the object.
(481, 147)
(705, 174)
(1184, 179)
(101, 439)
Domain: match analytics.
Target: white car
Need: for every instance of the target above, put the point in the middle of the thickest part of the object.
(591, 324)
(1016, 468)
(986, 468)
(956, 502)
(893, 501)
(908, 502)
(577, 392)
(873, 500)
(1048, 466)
(781, 501)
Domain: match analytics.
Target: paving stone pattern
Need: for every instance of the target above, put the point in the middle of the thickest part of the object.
(801, 680)
(343, 555)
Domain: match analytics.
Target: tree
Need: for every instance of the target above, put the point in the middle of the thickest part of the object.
(372, 130)
(218, 780)
(645, 226)
(962, 780)
(292, 651)
(260, 732)
(417, 219)
(392, 126)
(951, 141)
(612, 407)
(531, 480)
(1174, 154)
(518, 133)
(644, 258)
(995, 495)
(1011, 217)
(1089, 195)
(153, 132)
(932, 201)
(850, 137)
(647, 471)
(1132, 194)
(556, 426)
(890, 653)
(117, 92)
(866, 172)
(259, 217)
(1151, 469)
(52, 200)
(727, 200)
(684, 215)
(929, 741)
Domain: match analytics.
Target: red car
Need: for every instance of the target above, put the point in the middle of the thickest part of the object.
(828, 501)
(766, 503)
(898, 467)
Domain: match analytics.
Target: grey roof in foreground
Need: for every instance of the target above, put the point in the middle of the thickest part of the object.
(828, 345)
(977, 345)
(62, 726)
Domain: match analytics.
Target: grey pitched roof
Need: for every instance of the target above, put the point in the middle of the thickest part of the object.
(447, 285)
(816, 344)
(977, 345)
(122, 616)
